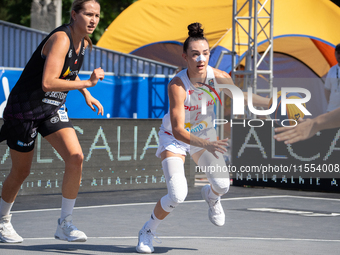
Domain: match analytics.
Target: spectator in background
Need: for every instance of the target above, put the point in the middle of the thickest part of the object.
(332, 85)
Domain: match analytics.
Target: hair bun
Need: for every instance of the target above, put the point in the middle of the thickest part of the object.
(195, 30)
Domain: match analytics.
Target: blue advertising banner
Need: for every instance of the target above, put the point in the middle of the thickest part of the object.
(121, 96)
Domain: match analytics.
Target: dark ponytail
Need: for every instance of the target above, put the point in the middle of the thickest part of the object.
(195, 34)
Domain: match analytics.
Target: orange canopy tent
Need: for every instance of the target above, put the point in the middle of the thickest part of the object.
(307, 30)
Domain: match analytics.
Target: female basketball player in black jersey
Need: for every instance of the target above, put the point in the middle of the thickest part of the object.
(36, 104)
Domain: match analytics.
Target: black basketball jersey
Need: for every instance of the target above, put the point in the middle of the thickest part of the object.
(27, 100)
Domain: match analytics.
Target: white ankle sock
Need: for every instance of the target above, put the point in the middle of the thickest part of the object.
(5, 208)
(212, 195)
(152, 223)
(67, 206)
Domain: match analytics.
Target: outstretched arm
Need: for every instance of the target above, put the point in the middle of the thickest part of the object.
(309, 127)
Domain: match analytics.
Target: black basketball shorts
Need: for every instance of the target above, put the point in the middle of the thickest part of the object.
(21, 134)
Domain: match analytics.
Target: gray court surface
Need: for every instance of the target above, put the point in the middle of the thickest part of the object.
(258, 221)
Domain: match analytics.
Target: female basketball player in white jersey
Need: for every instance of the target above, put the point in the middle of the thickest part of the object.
(185, 129)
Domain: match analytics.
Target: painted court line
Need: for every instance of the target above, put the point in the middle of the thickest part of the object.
(192, 201)
(207, 237)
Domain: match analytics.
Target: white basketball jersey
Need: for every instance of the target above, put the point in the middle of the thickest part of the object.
(195, 121)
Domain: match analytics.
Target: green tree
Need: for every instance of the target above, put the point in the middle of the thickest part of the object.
(18, 12)
(109, 11)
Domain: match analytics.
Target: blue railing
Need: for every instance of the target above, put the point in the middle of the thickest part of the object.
(17, 44)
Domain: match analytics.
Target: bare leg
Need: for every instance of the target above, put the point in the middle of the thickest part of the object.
(65, 141)
(21, 165)
(196, 157)
(159, 212)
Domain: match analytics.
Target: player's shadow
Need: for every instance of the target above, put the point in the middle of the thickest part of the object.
(83, 249)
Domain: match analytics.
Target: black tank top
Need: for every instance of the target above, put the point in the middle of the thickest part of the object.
(27, 100)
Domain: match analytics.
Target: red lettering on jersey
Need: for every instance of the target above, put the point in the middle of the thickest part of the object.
(211, 102)
(192, 108)
(200, 96)
(190, 92)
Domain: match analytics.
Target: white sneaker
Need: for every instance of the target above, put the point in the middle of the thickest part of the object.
(68, 232)
(7, 232)
(145, 238)
(216, 213)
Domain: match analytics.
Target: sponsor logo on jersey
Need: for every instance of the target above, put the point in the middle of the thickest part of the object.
(212, 89)
(187, 126)
(68, 71)
(70, 53)
(34, 132)
(54, 120)
(62, 113)
(55, 94)
(49, 101)
(83, 51)
(196, 128)
(22, 144)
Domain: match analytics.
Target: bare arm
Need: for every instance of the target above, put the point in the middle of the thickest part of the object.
(55, 51)
(309, 127)
(91, 101)
(177, 97)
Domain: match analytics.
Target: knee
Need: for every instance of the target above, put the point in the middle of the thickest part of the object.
(220, 185)
(178, 188)
(75, 159)
(177, 192)
(169, 202)
(219, 180)
(20, 175)
(25, 174)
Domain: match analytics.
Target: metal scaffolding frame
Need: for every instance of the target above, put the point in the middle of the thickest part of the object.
(252, 26)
